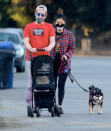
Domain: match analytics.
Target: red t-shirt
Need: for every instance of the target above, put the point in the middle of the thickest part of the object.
(39, 36)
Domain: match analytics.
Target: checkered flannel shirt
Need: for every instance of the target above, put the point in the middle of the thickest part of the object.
(67, 47)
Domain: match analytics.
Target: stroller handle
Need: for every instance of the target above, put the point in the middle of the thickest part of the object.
(37, 51)
(40, 50)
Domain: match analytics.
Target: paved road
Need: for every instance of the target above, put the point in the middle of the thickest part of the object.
(87, 71)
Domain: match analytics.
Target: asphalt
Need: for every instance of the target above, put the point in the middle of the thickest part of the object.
(87, 71)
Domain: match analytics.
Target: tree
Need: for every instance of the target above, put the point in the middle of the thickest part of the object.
(95, 14)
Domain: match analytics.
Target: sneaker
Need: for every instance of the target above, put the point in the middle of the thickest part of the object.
(61, 110)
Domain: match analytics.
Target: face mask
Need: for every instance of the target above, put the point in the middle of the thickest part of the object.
(39, 20)
(59, 28)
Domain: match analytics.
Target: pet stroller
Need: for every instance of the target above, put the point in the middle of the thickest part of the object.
(43, 86)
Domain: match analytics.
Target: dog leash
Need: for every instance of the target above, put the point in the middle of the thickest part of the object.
(72, 78)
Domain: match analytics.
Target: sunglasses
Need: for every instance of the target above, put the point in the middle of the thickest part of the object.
(38, 14)
(58, 25)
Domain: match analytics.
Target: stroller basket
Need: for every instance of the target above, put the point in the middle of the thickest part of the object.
(42, 65)
(43, 82)
(42, 73)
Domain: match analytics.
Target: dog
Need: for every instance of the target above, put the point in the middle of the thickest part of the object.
(95, 98)
(44, 67)
(43, 79)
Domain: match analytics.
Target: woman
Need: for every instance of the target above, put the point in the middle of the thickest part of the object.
(64, 49)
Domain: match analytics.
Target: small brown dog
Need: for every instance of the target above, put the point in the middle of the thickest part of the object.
(95, 98)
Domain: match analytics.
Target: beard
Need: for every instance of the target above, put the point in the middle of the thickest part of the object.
(39, 20)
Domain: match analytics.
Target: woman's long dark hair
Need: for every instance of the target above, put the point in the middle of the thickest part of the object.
(60, 15)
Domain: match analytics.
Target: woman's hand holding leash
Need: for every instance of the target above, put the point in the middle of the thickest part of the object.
(72, 78)
(64, 57)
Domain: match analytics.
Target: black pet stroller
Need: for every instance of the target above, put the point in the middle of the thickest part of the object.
(43, 86)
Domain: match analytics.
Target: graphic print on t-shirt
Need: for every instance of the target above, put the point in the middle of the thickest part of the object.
(38, 32)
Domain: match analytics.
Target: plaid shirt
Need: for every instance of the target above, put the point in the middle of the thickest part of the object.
(67, 47)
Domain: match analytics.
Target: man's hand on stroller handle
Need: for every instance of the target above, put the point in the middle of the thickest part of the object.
(33, 50)
(47, 49)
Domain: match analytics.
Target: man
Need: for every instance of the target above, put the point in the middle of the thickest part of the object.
(38, 35)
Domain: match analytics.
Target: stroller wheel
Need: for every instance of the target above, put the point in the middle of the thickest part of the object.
(49, 110)
(57, 111)
(52, 112)
(30, 111)
(38, 112)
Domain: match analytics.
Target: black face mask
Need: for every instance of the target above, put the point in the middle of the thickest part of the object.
(57, 25)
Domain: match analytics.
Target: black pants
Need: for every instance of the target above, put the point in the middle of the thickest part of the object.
(61, 79)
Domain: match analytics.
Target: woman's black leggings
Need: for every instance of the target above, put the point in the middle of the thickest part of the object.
(61, 86)
(61, 79)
